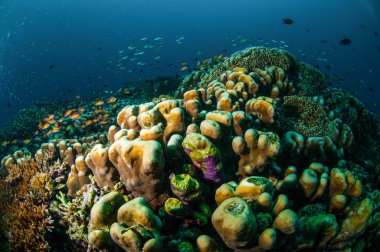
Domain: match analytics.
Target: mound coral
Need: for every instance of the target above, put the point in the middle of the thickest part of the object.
(140, 165)
(204, 155)
(235, 222)
(131, 225)
(98, 161)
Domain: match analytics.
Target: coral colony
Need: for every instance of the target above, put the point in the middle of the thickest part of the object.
(254, 153)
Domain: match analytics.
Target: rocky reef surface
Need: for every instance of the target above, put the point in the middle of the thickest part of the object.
(254, 153)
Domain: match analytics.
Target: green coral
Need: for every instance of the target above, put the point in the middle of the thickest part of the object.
(205, 155)
(175, 207)
(318, 231)
(185, 247)
(185, 187)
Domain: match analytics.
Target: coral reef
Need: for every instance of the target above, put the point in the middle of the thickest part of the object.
(255, 153)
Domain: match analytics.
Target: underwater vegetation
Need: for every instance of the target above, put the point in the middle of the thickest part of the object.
(254, 152)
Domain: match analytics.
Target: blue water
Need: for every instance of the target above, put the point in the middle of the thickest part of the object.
(55, 50)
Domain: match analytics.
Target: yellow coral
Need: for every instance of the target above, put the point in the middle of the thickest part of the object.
(262, 108)
(255, 150)
(40, 182)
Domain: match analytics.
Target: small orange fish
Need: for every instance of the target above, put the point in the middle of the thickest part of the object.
(98, 103)
(75, 124)
(4, 143)
(56, 129)
(45, 126)
(68, 112)
(27, 141)
(51, 116)
(98, 111)
(51, 121)
(81, 110)
(114, 106)
(111, 100)
(183, 68)
(36, 132)
(14, 141)
(76, 116)
(88, 122)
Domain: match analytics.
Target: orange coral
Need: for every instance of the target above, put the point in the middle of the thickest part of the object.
(262, 108)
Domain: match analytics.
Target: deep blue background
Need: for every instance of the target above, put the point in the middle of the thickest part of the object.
(80, 37)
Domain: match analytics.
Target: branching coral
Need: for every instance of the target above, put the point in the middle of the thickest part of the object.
(25, 199)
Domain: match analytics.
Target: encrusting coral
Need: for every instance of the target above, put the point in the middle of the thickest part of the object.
(252, 155)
